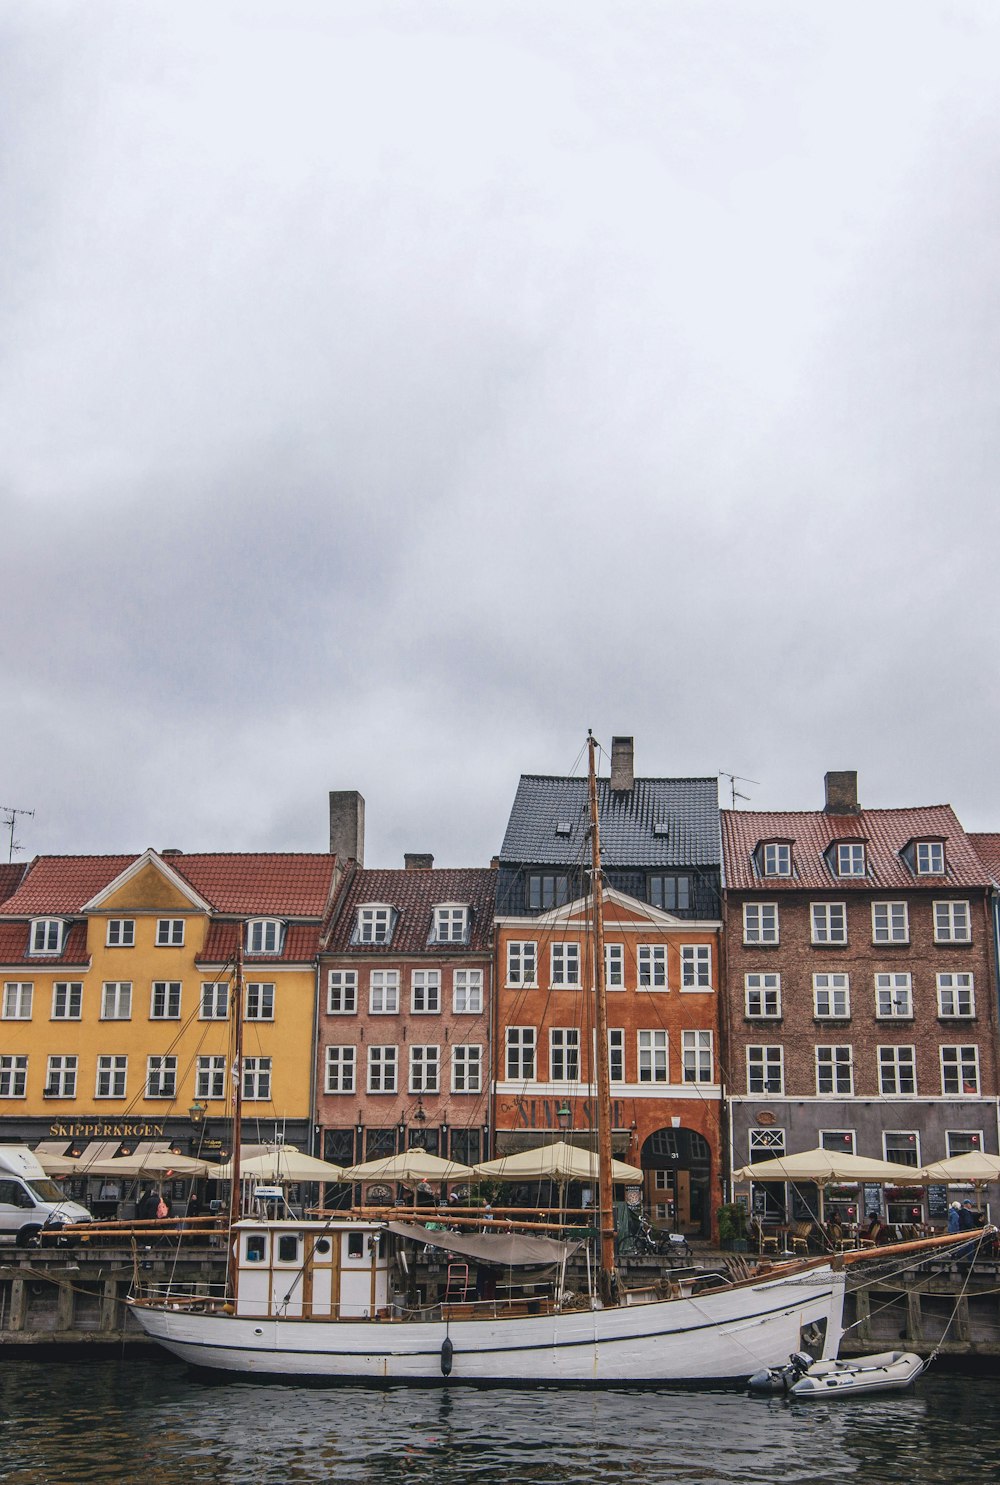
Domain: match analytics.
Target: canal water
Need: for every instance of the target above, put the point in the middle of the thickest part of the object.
(154, 1422)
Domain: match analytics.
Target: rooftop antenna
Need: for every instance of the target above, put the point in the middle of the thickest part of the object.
(734, 779)
(10, 814)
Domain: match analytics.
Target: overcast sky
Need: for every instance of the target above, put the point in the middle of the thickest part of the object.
(391, 392)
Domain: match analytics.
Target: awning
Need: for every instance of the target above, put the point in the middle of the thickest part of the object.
(503, 1248)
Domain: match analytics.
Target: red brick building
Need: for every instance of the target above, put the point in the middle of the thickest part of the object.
(859, 1009)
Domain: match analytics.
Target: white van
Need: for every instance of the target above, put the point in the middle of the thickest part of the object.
(29, 1199)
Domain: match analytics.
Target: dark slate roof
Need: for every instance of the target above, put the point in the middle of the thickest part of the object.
(414, 894)
(630, 822)
(10, 878)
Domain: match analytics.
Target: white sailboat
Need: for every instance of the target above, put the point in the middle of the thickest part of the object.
(326, 1298)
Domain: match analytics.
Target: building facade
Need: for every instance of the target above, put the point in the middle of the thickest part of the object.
(660, 861)
(403, 1015)
(117, 974)
(859, 1008)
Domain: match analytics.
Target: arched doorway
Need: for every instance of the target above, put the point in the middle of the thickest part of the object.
(676, 1175)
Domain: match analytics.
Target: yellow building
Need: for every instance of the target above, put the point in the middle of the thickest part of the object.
(116, 980)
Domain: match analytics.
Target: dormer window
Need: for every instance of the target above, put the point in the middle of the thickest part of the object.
(929, 856)
(849, 858)
(451, 923)
(374, 925)
(47, 935)
(777, 858)
(264, 936)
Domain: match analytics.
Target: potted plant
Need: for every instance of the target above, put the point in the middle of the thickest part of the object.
(733, 1227)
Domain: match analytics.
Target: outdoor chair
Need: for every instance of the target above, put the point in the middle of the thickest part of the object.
(764, 1242)
(798, 1236)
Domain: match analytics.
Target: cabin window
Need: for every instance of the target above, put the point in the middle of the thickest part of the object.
(255, 1247)
(355, 1245)
(288, 1247)
(323, 1246)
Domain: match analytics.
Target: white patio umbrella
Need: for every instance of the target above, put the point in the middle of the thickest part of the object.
(280, 1166)
(975, 1166)
(410, 1165)
(151, 1163)
(824, 1166)
(556, 1162)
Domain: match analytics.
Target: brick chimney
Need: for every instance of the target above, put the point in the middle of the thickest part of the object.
(841, 793)
(417, 861)
(347, 825)
(622, 765)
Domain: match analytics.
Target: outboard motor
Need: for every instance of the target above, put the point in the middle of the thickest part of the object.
(780, 1379)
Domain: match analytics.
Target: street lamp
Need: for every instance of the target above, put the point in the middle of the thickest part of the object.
(565, 1115)
(197, 1112)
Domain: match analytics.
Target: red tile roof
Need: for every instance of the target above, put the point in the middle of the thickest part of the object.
(301, 943)
(285, 884)
(10, 877)
(885, 832)
(987, 848)
(413, 894)
(14, 938)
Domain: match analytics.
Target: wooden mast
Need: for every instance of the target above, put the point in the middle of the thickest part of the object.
(235, 1194)
(608, 1274)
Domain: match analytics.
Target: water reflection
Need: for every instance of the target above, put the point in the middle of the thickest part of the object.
(154, 1422)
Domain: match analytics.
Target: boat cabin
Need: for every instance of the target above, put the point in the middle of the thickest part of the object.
(312, 1270)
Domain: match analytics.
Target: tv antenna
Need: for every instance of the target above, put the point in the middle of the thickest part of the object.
(10, 814)
(734, 779)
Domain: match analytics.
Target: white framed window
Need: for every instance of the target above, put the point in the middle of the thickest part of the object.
(67, 1000)
(382, 1069)
(614, 966)
(467, 1068)
(901, 1146)
(342, 992)
(929, 855)
(165, 1001)
(565, 966)
(890, 923)
(425, 1069)
(170, 933)
(777, 859)
(116, 1000)
(962, 1141)
(257, 1079)
(897, 1070)
(952, 923)
(831, 997)
(340, 1067)
(18, 996)
(522, 963)
(850, 859)
(13, 1076)
(893, 997)
(425, 992)
(451, 922)
(765, 1069)
(383, 992)
(834, 1070)
(696, 1057)
(521, 1042)
(259, 1001)
(564, 1054)
(616, 1054)
(956, 995)
(829, 922)
(960, 1070)
(210, 1077)
(60, 1077)
(762, 995)
(120, 933)
(652, 1049)
(696, 966)
(214, 1005)
(651, 962)
(467, 992)
(374, 925)
(760, 922)
(264, 936)
(46, 935)
(161, 1077)
(112, 1077)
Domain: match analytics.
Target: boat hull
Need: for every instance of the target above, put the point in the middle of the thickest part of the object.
(711, 1338)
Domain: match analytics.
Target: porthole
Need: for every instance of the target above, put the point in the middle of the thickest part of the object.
(323, 1245)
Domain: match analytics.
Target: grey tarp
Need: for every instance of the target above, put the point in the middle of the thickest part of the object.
(507, 1248)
